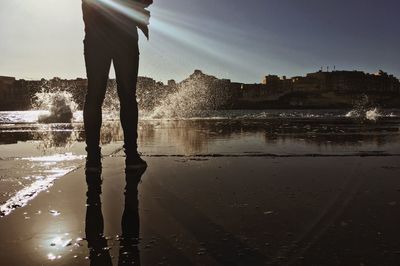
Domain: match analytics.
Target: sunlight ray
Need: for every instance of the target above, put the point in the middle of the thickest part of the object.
(131, 9)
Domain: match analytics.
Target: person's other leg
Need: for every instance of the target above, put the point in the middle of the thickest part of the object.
(126, 63)
(98, 62)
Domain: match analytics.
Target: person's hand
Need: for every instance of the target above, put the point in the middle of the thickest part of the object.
(146, 17)
(146, 3)
(143, 15)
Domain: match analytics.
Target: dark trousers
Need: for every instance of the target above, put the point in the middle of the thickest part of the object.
(100, 51)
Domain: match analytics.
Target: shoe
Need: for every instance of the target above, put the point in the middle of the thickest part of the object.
(134, 162)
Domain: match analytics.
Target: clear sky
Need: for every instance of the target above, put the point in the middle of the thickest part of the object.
(241, 40)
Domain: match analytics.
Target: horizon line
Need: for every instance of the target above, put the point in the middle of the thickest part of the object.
(279, 75)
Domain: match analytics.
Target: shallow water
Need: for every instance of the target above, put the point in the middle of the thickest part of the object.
(22, 117)
(33, 155)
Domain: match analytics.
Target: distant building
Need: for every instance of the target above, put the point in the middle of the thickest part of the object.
(6, 86)
(6, 81)
(254, 91)
(336, 81)
(146, 82)
(171, 83)
(320, 89)
(12, 97)
(355, 82)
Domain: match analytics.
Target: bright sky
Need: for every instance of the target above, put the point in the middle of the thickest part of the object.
(240, 40)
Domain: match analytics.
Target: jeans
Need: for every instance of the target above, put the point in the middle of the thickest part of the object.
(100, 50)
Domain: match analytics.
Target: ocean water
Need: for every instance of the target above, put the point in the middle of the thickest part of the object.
(33, 154)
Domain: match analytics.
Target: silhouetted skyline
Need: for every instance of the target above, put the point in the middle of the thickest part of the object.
(240, 40)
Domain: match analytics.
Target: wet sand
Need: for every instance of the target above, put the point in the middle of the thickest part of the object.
(32, 156)
(214, 211)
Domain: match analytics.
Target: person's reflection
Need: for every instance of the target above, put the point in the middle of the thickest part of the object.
(130, 223)
(129, 243)
(94, 227)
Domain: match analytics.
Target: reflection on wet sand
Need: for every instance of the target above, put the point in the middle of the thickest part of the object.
(190, 137)
(94, 227)
(130, 223)
(99, 251)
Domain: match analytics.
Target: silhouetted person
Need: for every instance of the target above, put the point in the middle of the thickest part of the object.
(111, 35)
(129, 253)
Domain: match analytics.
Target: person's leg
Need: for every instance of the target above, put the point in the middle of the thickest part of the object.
(98, 62)
(126, 63)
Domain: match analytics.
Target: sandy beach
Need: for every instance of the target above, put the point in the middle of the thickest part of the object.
(215, 211)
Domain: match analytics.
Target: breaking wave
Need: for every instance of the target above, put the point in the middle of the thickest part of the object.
(59, 105)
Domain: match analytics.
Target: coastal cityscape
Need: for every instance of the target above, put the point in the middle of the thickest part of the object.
(321, 89)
